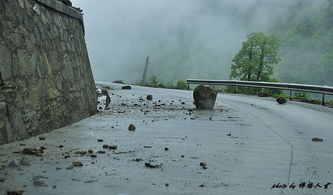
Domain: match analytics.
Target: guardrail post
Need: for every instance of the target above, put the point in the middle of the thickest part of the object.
(291, 94)
(323, 100)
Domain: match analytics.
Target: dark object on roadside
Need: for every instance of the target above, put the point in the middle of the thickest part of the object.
(317, 139)
(131, 127)
(281, 100)
(66, 2)
(167, 185)
(166, 149)
(100, 140)
(77, 164)
(32, 151)
(41, 138)
(105, 146)
(119, 82)
(203, 165)
(262, 94)
(107, 101)
(126, 87)
(148, 165)
(204, 97)
(149, 97)
(113, 147)
(15, 192)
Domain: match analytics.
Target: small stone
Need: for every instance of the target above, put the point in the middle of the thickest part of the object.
(61, 146)
(204, 167)
(182, 156)
(2, 180)
(39, 181)
(81, 152)
(101, 152)
(105, 146)
(203, 164)
(138, 159)
(41, 138)
(262, 94)
(90, 151)
(99, 140)
(77, 164)
(126, 87)
(202, 185)
(149, 97)
(229, 134)
(149, 165)
(281, 100)
(167, 185)
(113, 147)
(15, 192)
(317, 139)
(183, 102)
(166, 149)
(131, 127)
(93, 156)
(29, 151)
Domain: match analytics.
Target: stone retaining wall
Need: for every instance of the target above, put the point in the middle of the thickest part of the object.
(45, 76)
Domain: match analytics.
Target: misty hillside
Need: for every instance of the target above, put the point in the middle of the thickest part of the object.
(198, 39)
(306, 37)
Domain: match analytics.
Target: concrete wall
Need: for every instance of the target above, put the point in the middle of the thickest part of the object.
(45, 76)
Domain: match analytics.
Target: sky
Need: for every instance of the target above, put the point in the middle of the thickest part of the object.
(184, 38)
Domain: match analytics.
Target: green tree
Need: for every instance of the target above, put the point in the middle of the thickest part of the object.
(255, 60)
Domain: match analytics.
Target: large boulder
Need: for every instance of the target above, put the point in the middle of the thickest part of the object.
(204, 97)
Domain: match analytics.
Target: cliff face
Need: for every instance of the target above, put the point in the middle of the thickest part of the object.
(45, 76)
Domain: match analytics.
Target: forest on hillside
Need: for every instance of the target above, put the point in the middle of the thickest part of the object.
(307, 44)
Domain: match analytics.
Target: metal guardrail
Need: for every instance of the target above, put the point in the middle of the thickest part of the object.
(272, 85)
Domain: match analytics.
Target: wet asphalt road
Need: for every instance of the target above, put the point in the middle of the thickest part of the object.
(248, 143)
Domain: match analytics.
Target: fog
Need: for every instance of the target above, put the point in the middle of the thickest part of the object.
(184, 38)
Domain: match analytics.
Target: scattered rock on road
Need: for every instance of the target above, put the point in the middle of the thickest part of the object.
(281, 100)
(113, 147)
(77, 164)
(131, 127)
(149, 165)
(262, 94)
(126, 87)
(105, 146)
(99, 140)
(204, 97)
(15, 192)
(149, 97)
(317, 139)
(203, 165)
(41, 138)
